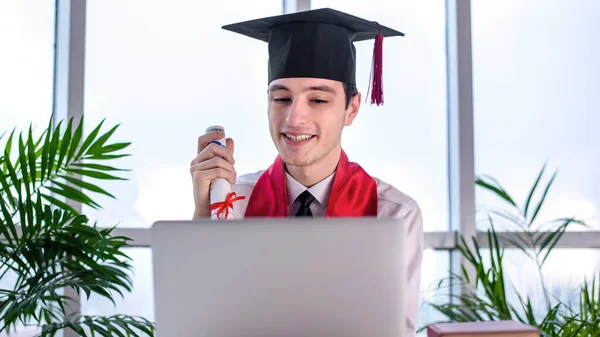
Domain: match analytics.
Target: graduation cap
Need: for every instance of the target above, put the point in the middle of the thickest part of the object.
(318, 43)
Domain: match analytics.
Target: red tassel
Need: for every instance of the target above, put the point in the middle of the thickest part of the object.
(376, 79)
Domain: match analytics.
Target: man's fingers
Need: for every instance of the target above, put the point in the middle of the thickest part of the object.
(207, 138)
(213, 150)
(211, 174)
(230, 146)
(214, 168)
(212, 163)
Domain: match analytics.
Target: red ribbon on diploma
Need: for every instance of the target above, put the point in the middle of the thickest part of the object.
(224, 206)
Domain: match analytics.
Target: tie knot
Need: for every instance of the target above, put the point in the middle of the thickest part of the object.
(305, 199)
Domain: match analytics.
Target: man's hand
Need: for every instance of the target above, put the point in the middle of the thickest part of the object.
(213, 161)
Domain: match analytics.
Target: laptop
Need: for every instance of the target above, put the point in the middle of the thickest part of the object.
(279, 277)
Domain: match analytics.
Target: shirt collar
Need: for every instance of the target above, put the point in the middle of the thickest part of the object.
(320, 191)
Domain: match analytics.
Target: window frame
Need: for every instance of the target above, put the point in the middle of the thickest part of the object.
(69, 97)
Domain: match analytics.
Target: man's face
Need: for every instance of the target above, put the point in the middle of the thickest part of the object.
(306, 118)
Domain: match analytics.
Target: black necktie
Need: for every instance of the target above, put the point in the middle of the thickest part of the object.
(305, 200)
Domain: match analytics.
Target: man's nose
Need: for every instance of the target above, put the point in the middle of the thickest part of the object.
(297, 113)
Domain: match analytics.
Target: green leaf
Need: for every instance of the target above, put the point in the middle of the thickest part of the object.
(95, 174)
(8, 148)
(533, 191)
(46, 150)
(517, 242)
(497, 190)
(465, 273)
(544, 239)
(31, 157)
(65, 143)
(98, 167)
(572, 221)
(107, 156)
(7, 224)
(39, 213)
(76, 139)
(87, 186)
(7, 189)
(89, 139)
(23, 166)
(114, 147)
(97, 145)
(73, 194)
(38, 142)
(539, 206)
(59, 204)
(53, 148)
(511, 218)
(25, 217)
(553, 240)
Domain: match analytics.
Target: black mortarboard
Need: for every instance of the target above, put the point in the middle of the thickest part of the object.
(318, 43)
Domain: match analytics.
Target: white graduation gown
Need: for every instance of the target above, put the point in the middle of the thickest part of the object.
(391, 203)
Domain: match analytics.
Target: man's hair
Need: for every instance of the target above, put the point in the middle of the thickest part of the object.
(350, 90)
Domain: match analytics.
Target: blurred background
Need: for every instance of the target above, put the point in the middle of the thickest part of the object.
(165, 70)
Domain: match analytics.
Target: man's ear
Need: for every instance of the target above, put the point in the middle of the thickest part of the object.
(352, 110)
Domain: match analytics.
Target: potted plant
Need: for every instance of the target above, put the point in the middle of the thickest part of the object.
(46, 245)
(489, 300)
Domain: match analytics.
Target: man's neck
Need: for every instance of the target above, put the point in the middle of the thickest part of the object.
(313, 174)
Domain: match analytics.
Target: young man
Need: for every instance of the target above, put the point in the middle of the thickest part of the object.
(312, 96)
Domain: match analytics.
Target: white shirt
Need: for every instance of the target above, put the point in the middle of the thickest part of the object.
(320, 191)
(391, 203)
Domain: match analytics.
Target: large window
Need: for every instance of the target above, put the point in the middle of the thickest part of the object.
(404, 142)
(26, 80)
(536, 76)
(26, 64)
(166, 73)
(165, 80)
(166, 96)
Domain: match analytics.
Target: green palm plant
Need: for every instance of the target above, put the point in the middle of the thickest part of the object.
(490, 299)
(46, 245)
(537, 239)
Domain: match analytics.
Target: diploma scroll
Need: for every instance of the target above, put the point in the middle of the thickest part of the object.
(222, 200)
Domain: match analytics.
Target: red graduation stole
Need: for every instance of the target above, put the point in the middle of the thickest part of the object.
(353, 193)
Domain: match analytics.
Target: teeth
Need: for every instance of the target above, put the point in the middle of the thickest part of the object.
(298, 138)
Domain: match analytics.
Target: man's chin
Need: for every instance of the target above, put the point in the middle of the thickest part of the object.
(297, 160)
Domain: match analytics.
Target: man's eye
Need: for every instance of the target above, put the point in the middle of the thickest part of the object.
(281, 100)
(319, 101)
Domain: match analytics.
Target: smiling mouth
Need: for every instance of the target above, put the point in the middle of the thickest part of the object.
(298, 138)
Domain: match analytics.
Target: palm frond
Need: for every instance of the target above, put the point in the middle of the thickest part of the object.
(46, 243)
(67, 252)
(490, 301)
(116, 325)
(56, 165)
